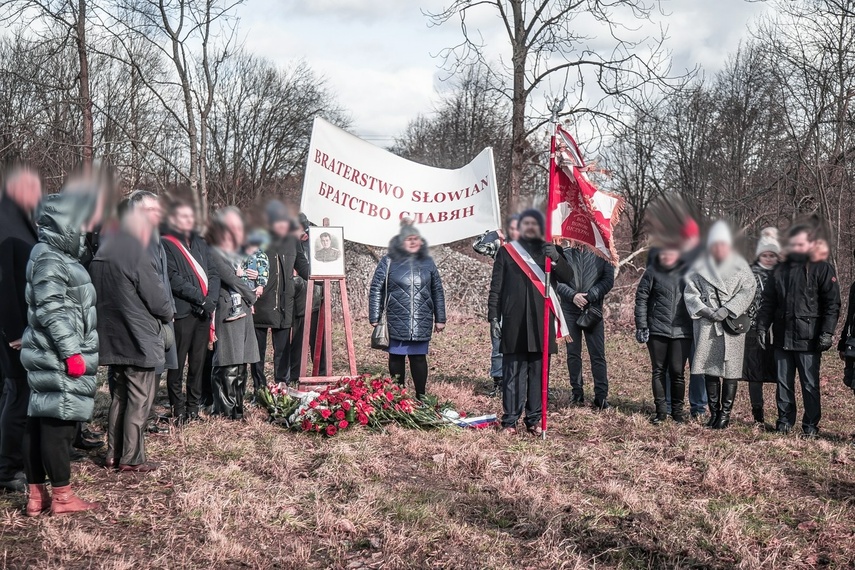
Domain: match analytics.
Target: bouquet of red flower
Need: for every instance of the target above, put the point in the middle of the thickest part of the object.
(363, 400)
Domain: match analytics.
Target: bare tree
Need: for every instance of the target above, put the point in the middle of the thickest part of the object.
(552, 39)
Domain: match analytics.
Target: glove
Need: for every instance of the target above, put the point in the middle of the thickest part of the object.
(825, 341)
(496, 329)
(75, 365)
(642, 335)
(705, 313)
(720, 314)
(761, 340)
(550, 250)
(209, 306)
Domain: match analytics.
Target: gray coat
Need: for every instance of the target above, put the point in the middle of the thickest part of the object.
(716, 352)
(236, 341)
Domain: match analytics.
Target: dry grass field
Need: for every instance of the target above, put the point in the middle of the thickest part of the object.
(605, 490)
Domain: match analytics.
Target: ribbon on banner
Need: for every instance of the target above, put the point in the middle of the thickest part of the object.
(537, 276)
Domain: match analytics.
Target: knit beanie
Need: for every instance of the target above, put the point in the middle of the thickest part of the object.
(719, 233)
(408, 229)
(538, 217)
(769, 242)
(276, 212)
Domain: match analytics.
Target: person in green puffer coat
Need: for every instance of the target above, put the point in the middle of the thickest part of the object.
(59, 348)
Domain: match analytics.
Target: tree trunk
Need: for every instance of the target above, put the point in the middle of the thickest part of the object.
(85, 97)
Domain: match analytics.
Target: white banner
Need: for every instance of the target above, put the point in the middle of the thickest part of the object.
(369, 190)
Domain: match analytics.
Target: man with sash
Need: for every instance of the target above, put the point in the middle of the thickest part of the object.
(195, 287)
(515, 309)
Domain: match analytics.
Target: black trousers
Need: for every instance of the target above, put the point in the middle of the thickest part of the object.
(807, 365)
(129, 411)
(207, 398)
(281, 346)
(47, 448)
(669, 355)
(595, 339)
(522, 388)
(418, 369)
(191, 341)
(295, 351)
(13, 424)
(229, 383)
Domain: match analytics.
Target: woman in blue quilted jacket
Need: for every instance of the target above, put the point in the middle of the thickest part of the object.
(407, 286)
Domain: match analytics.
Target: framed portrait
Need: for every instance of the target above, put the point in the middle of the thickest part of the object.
(326, 251)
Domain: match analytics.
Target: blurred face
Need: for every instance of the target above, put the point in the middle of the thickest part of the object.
(669, 257)
(720, 251)
(152, 210)
(325, 242)
(280, 228)
(183, 219)
(769, 259)
(513, 230)
(800, 243)
(25, 189)
(413, 244)
(529, 228)
(235, 225)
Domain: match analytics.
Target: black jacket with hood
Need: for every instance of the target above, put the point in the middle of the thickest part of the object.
(414, 299)
(659, 304)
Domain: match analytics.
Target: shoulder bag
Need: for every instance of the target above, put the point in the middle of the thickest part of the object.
(734, 326)
(380, 335)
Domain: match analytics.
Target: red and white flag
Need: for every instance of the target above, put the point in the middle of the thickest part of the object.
(581, 213)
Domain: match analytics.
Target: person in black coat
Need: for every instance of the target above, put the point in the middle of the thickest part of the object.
(845, 335)
(515, 311)
(133, 310)
(274, 310)
(407, 287)
(801, 302)
(18, 235)
(662, 321)
(593, 278)
(298, 324)
(195, 287)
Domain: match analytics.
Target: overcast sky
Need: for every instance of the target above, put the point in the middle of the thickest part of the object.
(379, 55)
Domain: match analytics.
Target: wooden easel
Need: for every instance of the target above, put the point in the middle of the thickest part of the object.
(323, 339)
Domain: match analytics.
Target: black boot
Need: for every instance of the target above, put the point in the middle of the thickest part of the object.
(713, 394)
(728, 394)
(758, 416)
(678, 395)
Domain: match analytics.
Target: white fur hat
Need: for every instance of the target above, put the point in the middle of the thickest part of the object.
(769, 242)
(719, 233)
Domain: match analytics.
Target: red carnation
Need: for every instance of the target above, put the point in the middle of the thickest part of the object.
(306, 425)
(343, 424)
(313, 404)
(345, 406)
(363, 419)
(339, 415)
(331, 430)
(325, 413)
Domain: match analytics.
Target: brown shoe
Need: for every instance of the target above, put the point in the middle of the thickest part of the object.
(111, 463)
(38, 501)
(508, 430)
(141, 468)
(65, 502)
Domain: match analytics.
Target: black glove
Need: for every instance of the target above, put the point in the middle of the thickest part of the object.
(705, 313)
(209, 306)
(550, 250)
(720, 314)
(642, 335)
(761, 339)
(825, 341)
(496, 329)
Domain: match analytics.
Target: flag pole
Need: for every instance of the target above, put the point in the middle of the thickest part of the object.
(547, 302)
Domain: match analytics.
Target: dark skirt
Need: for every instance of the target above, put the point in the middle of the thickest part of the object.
(759, 364)
(408, 347)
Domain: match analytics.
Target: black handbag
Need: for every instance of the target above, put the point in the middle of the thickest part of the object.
(590, 316)
(380, 334)
(734, 326)
(849, 347)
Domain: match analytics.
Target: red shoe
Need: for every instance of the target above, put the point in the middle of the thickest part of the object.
(39, 500)
(65, 502)
(141, 468)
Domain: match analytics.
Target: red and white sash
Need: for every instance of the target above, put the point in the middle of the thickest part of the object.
(194, 265)
(533, 271)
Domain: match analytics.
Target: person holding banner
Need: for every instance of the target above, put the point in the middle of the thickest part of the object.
(407, 286)
(515, 311)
